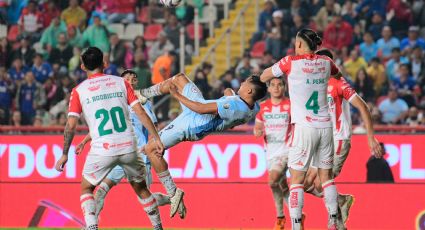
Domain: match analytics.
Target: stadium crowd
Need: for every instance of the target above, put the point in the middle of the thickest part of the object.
(377, 44)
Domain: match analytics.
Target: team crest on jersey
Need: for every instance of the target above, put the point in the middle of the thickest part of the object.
(106, 146)
(285, 107)
(226, 106)
(266, 108)
(195, 90)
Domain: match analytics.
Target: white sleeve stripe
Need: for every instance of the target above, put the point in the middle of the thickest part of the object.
(73, 114)
(277, 72)
(352, 97)
(133, 103)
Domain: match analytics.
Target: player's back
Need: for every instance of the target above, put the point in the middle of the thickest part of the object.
(340, 94)
(104, 101)
(308, 77)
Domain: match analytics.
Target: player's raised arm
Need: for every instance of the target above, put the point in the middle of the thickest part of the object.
(361, 105)
(197, 107)
(277, 70)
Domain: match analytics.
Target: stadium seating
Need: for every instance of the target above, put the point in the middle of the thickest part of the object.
(258, 49)
(152, 31)
(133, 30)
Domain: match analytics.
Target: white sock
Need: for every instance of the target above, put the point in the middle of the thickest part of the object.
(296, 203)
(100, 195)
(151, 91)
(161, 199)
(167, 182)
(88, 206)
(331, 198)
(278, 199)
(151, 208)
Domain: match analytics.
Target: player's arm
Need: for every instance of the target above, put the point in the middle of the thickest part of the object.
(335, 72)
(197, 107)
(68, 136)
(267, 75)
(258, 128)
(277, 70)
(229, 92)
(80, 147)
(361, 105)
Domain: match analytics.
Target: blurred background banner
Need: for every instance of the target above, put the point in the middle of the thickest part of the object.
(221, 175)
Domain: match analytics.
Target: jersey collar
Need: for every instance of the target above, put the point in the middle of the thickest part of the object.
(95, 75)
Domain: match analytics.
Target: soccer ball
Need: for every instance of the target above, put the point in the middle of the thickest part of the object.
(170, 3)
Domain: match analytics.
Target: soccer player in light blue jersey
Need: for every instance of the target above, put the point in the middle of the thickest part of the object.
(199, 117)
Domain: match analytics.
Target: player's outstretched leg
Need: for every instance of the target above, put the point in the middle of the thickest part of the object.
(149, 203)
(88, 205)
(275, 178)
(180, 80)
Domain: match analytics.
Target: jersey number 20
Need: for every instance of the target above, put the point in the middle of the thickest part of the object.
(120, 126)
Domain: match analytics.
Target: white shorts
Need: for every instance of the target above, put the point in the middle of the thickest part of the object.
(311, 145)
(342, 148)
(277, 162)
(98, 166)
(117, 173)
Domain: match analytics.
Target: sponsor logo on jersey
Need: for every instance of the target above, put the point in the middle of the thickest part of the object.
(110, 84)
(276, 116)
(226, 106)
(266, 108)
(310, 119)
(94, 88)
(106, 146)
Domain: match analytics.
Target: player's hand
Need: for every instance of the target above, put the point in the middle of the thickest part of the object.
(258, 132)
(173, 89)
(61, 163)
(375, 147)
(80, 147)
(154, 147)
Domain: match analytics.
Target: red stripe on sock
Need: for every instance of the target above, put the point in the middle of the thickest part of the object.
(149, 203)
(100, 187)
(327, 185)
(87, 198)
(296, 187)
(161, 176)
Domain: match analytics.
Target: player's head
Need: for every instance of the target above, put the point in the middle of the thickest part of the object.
(276, 87)
(325, 52)
(253, 88)
(307, 41)
(130, 76)
(92, 59)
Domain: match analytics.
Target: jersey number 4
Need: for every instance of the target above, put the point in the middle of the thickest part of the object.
(313, 102)
(115, 113)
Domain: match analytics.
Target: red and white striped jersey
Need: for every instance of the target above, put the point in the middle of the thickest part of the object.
(340, 94)
(308, 77)
(104, 100)
(276, 119)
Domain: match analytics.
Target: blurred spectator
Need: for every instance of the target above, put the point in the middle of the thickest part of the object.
(50, 88)
(348, 12)
(60, 107)
(25, 52)
(111, 68)
(7, 89)
(162, 68)
(172, 30)
(74, 36)
(14, 11)
(160, 47)
(405, 85)
(38, 121)
(412, 39)
(376, 27)
(399, 15)
(29, 97)
(274, 39)
(369, 6)
(74, 62)
(50, 11)
(297, 7)
(354, 64)
(61, 119)
(139, 44)
(17, 71)
(49, 38)
(142, 69)
(201, 81)
(62, 53)
(393, 64)
(364, 85)
(264, 21)
(42, 70)
(378, 169)
(4, 4)
(368, 48)
(338, 34)
(117, 50)
(96, 35)
(16, 118)
(415, 118)
(89, 6)
(5, 53)
(357, 36)
(30, 21)
(298, 25)
(418, 63)
(326, 14)
(387, 43)
(267, 60)
(376, 71)
(122, 11)
(246, 69)
(74, 15)
(393, 109)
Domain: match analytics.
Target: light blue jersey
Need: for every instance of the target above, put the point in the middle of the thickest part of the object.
(141, 132)
(191, 126)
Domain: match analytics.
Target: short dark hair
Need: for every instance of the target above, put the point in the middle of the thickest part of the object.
(325, 52)
(395, 49)
(92, 58)
(128, 71)
(375, 59)
(311, 38)
(260, 88)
